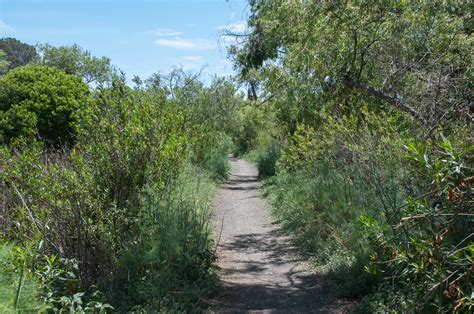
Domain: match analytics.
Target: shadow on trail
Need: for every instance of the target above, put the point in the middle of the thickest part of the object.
(242, 183)
(299, 291)
(299, 296)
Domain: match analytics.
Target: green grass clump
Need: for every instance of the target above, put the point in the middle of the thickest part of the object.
(321, 212)
(19, 292)
(216, 163)
(170, 267)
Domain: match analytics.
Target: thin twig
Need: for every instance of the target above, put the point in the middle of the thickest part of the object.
(220, 234)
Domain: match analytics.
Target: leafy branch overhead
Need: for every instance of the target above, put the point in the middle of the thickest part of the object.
(407, 57)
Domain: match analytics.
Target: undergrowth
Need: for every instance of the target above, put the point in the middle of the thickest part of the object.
(170, 267)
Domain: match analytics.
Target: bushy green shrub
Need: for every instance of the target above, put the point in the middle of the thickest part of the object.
(426, 246)
(328, 178)
(120, 208)
(216, 157)
(376, 216)
(40, 101)
(266, 159)
(82, 204)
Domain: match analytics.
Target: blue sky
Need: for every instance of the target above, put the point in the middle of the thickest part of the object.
(140, 36)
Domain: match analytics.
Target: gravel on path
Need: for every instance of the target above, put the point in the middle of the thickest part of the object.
(260, 270)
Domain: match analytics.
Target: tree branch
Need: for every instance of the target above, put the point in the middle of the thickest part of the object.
(384, 97)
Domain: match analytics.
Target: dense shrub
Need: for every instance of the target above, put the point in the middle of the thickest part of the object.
(266, 159)
(215, 159)
(40, 101)
(426, 244)
(122, 216)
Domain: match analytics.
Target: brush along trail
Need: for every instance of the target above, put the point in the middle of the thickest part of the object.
(260, 269)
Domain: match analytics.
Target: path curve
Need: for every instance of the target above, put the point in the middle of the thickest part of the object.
(260, 270)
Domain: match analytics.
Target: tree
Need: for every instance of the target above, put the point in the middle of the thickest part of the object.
(404, 57)
(42, 101)
(76, 61)
(16, 53)
(3, 61)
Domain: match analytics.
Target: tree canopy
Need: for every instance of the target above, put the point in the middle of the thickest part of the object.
(407, 57)
(76, 61)
(42, 101)
(16, 53)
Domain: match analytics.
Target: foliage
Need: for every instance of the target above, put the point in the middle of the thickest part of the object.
(18, 290)
(169, 267)
(431, 240)
(215, 159)
(3, 61)
(265, 160)
(40, 101)
(351, 85)
(364, 53)
(59, 276)
(17, 53)
(75, 61)
(122, 216)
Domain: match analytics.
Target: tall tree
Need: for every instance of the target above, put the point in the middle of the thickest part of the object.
(76, 61)
(16, 53)
(402, 57)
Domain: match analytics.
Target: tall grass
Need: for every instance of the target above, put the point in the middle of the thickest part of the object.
(326, 180)
(169, 268)
(215, 160)
(320, 208)
(19, 292)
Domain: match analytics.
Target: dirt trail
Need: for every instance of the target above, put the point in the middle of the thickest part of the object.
(260, 270)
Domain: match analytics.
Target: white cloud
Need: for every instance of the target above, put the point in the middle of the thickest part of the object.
(229, 40)
(165, 32)
(5, 28)
(181, 43)
(237, 27)
(192, 58)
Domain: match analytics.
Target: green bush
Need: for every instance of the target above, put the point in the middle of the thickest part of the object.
(40, 101)
(329, 177)
(375, 216)
(216, 158)
(109, 213)
(266, 159)
(426, 245)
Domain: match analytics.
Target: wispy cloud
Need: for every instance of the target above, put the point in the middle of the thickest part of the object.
(237, 27)
(192, 58)
(229, 40)
(5, 28)
(167, 37)
(165, 32)
(181, 43)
